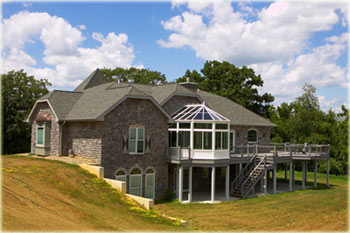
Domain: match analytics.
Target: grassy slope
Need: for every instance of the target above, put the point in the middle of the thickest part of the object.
(39, 194)
(319, 209)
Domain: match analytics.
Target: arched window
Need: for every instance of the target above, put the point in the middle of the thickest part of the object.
(150, 184)
(120, 175)
(252, 135)
(135, 184)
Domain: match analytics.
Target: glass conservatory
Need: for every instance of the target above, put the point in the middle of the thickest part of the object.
(199, 133)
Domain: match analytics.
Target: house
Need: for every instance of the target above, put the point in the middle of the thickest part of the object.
(155, 137)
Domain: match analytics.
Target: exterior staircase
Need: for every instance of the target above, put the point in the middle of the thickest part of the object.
(250, 175)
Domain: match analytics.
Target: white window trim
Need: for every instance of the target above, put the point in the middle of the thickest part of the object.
(222, 140)
(154, 183)
(134, 175)
(252, 129)
(136, 140)
(36, 141)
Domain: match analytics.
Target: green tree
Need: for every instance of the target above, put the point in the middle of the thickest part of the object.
(237, 84)
(302, 121)
(19, 93)
(135, 75)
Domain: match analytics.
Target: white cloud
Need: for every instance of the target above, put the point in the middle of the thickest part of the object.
(63, 52)
(276, 44)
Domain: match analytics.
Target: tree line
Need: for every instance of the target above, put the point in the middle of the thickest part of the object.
(301, 121)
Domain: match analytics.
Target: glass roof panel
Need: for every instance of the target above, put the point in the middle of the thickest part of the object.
(197, 112)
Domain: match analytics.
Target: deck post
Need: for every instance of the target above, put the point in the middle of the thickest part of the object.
(303, 176)
(190, 184)
(212, 184)
(291, 175)
(305, 172)
(285, 172)
(275, 179)
(293, 172)
(227, 186)
(181, 169)
(239, 172)
(177, 181)
(315, 174)
(328, 172)
(262, 184)
(265, 182)
(265, 177)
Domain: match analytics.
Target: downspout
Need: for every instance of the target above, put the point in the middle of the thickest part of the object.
(61, 126)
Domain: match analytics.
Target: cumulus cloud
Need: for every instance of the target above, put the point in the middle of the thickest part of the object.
(276, 44)
(69, 61)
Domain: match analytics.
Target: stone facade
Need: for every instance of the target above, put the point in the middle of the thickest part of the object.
(116, 124)
(176, 102)
(83, 139)
(43, 107)
(242, 135)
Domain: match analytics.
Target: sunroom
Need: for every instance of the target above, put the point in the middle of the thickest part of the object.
(199, 133)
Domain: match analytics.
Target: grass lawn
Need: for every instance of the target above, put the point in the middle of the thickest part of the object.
(317, 209)
(46, 195)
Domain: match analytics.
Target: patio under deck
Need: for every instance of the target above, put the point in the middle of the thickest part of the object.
(269, 157)
(205, 197)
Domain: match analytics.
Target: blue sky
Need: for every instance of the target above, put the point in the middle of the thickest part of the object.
(287, 43)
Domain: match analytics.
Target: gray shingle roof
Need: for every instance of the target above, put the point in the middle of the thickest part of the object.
(94, 79)
(238, 114)
(95, 96)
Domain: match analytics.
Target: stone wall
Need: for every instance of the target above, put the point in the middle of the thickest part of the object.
(176, 102)
(242, 135)
(43, 107)
(84, 139)
(116, 124)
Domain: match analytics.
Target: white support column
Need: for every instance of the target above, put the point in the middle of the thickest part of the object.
(239, 171)
(275, 179)
(227, 187)
(303, 176)
(265, 182)
(177, 181)
(213, 184)
(291, 175)
(315, 174)
(190, 184)
(181, 170)
(305, 172)
(328, 172)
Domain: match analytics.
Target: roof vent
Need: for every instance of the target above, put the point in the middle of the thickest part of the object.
(190, 85)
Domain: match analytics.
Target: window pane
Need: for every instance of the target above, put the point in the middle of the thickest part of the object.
(140, 133)
(205, 172)
(136, 171)
(139, 146)
(121, 178)
(197, 140)
(120, 173)
(223, 171)
(224, 140)
(202, 126)
(208, 140)
(217, 140)
(252, 136)
(185, 125)
(172, 138)
(221, 126)
(132, 145)
(132, 133)
(172, 126)
(40, 137)
(184, 138)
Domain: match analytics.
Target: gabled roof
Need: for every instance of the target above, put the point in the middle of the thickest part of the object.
(96, 96)
(95, 78)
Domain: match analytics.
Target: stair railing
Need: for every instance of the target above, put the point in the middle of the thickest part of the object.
(242, 173)
(253, 179)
